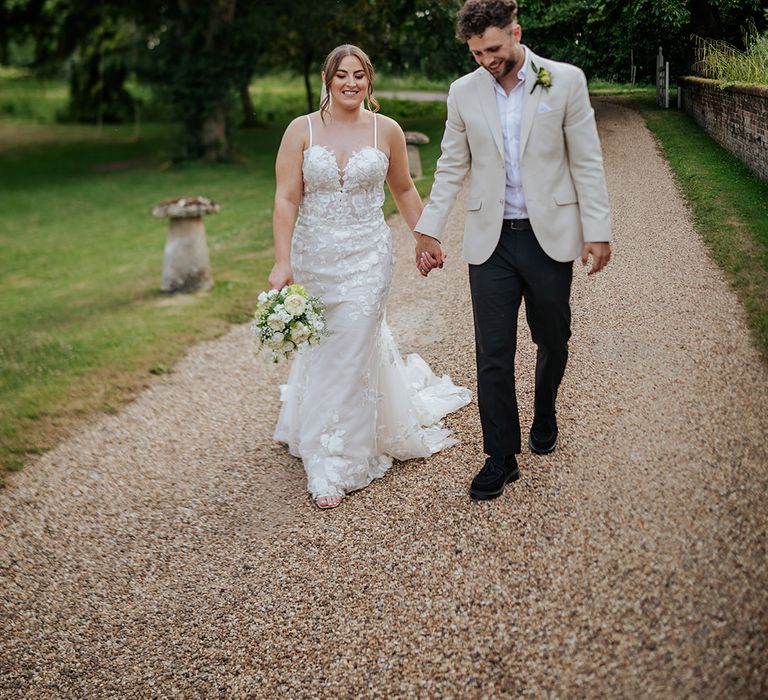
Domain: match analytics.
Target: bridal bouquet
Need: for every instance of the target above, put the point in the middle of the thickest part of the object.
(288, 318)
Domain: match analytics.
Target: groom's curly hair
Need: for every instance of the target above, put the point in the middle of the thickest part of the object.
(477, 15)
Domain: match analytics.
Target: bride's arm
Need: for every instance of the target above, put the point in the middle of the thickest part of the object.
(408, 200)
(399, 177)
(288, 191)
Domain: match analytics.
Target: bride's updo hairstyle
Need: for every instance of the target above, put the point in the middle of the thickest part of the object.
(331, 65)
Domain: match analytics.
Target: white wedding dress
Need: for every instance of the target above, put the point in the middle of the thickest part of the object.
(351, 403)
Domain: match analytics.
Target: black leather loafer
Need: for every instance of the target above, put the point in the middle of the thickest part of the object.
(493, 477)
(543, 436)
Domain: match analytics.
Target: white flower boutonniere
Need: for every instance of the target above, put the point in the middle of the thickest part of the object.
(543, 78)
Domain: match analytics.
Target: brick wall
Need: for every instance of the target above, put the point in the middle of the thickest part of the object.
(735, 117)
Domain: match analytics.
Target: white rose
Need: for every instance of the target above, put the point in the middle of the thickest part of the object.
(275, 322)
(272, 293)
(288, 346)
(263, 298)
(277, 339)
(295, 304)
(299, 333)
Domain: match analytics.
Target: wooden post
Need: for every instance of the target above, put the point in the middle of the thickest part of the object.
(659, 64)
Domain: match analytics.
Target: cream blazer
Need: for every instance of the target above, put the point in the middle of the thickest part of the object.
(561, 164)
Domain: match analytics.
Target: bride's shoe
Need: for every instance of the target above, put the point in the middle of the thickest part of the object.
(327, 502)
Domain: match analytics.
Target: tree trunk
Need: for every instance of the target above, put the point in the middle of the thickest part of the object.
(308, 81)
(214, 135)
(222, 14)
(249, 111)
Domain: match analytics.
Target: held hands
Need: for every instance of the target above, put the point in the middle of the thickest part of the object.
(601, 254)
(429, 253)
(281, 275)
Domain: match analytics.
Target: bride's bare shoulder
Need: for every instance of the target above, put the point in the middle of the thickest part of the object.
(299, 124)
(389, 128)
(297, 132)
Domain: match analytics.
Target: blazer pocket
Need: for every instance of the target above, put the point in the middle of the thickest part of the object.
(474, 203)
(550, 114)
(565, 195)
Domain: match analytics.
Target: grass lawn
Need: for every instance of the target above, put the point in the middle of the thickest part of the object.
(729, 205)
(84, 324)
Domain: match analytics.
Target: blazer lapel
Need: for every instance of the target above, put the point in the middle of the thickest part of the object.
(487, 100)
(530, 99)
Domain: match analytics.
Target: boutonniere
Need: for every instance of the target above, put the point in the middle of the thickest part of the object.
(543, 78)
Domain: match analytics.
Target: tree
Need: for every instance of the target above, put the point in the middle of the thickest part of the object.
(307, 30)
(418, 37)
(92, 40)
(413, 36)
(644, 25)
(195, 53)
(192, 65)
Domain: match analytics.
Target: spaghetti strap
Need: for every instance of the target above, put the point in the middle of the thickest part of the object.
(375, 132)
(309, 121)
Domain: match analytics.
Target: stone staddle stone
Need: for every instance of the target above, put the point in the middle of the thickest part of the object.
(186, 266)
(413, 140)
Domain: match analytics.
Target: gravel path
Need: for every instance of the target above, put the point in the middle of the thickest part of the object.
(171, 551)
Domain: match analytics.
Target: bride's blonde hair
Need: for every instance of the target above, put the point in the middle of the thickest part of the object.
(331, 65)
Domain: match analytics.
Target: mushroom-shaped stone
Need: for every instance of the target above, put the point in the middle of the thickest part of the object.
(186, 267)
(413, 140)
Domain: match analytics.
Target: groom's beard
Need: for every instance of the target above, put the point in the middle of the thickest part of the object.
(502, 70)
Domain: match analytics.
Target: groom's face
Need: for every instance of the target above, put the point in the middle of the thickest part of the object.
(497, 49)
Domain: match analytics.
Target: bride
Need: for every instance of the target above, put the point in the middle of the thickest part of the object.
(351, 403)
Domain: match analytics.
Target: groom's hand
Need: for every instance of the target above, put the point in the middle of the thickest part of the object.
(429, 253)
(601, 254)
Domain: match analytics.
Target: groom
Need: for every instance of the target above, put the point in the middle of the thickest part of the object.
(522, 129)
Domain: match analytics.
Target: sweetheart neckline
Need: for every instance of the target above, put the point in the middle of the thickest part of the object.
(342, 171)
